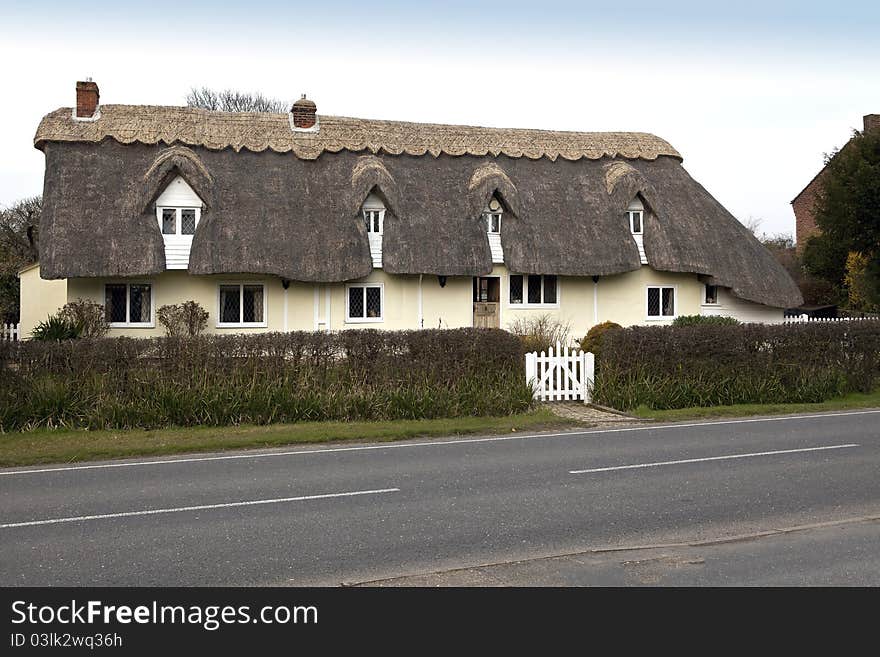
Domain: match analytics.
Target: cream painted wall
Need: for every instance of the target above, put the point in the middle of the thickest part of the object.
(621, 298)
(624, 298)
(39, 298)
(745, 311)
(446, 307)
(178, 286)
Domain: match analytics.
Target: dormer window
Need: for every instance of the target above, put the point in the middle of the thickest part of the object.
(635, 222)
(178, 211)
(635, 214)
(178, 221)
(374, 220)
(373, 212)
(492, 216)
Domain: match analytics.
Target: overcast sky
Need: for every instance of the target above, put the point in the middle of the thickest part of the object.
(752, 94)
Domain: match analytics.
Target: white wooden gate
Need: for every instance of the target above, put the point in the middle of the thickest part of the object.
(565, 374)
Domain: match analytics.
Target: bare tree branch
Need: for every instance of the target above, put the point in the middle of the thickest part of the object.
(230, 100)
(19, 234)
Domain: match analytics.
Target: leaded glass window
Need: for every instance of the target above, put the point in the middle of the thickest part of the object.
(178, 221)
(374, 302)
(661, 302)
(230, 304)
(169, 221)
(534, 289)
(539, 290)
(364, 303)
(549, 289)
(187, 221)
(128, 304)
(139, 304)
(242, 304)
(252, 304)
(115, 300)
(516, 289)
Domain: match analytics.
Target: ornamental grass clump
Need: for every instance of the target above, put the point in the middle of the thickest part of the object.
(700, 365)
(257, 379)
(540, 333)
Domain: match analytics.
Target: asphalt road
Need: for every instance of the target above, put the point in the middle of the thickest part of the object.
(334, 514)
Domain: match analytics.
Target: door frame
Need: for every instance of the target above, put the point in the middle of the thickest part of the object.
(500, 297)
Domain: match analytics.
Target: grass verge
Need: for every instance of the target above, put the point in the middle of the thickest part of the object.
(852, 400)
(70, 446)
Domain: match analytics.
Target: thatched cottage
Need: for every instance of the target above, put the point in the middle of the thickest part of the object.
(299, 221)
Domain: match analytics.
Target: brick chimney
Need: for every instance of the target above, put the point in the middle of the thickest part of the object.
(86, 99)
(872, 122)
(304, 112)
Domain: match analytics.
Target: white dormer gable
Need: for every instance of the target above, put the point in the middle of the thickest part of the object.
(635, 216)
(373, 212)
(178, 211)
(492, 215)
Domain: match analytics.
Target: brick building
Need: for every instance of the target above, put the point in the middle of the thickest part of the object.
(805, 202)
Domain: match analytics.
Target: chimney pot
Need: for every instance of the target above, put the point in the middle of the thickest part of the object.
(304, 113)
(872, 122)
(86, 98)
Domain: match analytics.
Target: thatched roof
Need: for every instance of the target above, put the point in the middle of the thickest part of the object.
(297, 215)
(259, 131)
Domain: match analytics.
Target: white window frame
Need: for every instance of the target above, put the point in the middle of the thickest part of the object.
(365, 320)
(381, 213)
(178, 219)
(633, 209)
(525, 292)
(632, 215)
(487, 217)
(661, 317)
(128, 323)
(264, 324)
(717, 302)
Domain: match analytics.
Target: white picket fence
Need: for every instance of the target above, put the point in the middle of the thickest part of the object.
(800, 319)
(10, 332)
(566, 374)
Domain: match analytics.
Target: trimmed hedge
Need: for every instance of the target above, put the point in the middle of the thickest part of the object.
(680, 367)
(694, 320)
(275, 377)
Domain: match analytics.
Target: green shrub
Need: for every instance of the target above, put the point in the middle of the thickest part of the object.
(592, 341)
(87, 316)
(183, 319)
(704, 320)
(262, 378)
(684, 366)
(55, 328)
(539, 333)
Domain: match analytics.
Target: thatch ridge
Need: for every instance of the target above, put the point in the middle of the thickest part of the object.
(258, 131)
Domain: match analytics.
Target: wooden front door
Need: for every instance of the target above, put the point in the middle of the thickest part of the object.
(487, 302)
